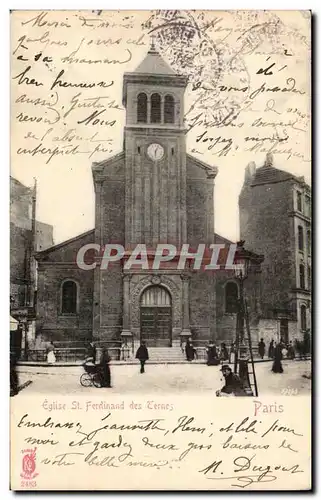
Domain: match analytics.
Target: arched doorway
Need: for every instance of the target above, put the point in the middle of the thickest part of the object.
(156, 317)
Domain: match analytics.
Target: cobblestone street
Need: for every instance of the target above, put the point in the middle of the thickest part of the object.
(164, 379)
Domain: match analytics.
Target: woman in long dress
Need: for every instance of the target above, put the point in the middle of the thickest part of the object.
(189, 351)
(51, 358)
(277, 365)
(105, 369)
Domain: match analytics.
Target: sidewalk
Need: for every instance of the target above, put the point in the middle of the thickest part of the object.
(136, 362)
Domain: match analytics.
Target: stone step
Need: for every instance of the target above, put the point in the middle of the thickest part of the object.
(166, 354)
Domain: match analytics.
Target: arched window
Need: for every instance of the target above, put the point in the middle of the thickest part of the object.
(169, 109)
(155, 296)
(69, 297)
(303, 311)
(309, 278)
(309, 241)
(302, 276)
(142, 108)
(231, 297)
(308, 206)
(300, 238)
(155, 108)
(299, 202)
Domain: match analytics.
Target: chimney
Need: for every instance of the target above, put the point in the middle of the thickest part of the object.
(249, 172)
(269, 160)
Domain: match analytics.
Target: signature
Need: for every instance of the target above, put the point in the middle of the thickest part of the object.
(257, 472)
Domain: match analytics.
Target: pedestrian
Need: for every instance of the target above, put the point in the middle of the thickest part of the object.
(124, 351)
(105, 369)
(232, 353)
(14, 383)
(51, 358)
(284, 351)
(91, 352)
(291, 352)
(277, 364)
(142, 355)
(261, 348)
(224, 356)
(189, 350)
(306, 344)
(212, 357)
(271, 349)
(233, 384)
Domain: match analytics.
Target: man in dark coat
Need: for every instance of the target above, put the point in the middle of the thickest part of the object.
(189, 351)
(224, 356)
(142, 355)
(233, 384)
(261, 348)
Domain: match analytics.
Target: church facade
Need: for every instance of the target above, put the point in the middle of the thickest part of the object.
(152, 192)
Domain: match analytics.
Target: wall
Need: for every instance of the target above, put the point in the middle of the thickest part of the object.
(268, 231)
(199, 205)
(155, 191)
(111, 302)
(226, 322)
(54, 266)
(202, 305)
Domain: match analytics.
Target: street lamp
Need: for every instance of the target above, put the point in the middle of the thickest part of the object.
(241, 269)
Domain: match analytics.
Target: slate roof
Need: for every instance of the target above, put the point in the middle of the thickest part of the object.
(271, 175)
(268, 174)
(154, 64)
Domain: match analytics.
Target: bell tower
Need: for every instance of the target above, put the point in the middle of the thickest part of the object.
(155, 154)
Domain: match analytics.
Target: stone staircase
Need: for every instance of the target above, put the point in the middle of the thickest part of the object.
(168, 355)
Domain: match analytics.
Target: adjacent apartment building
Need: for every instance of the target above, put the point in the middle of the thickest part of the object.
(27, 236)
(275, 220)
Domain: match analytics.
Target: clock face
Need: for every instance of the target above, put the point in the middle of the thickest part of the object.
(155, 152)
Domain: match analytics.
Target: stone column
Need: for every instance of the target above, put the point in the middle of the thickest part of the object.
(210, 208)
(126, 326)
(186, 332)
(97, 271)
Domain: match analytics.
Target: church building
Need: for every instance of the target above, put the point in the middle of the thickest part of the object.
(152, 192)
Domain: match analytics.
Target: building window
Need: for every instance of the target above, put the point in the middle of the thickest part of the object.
(69, 297)
(231, 298)
(309, 241)
(302, 276)
(309, 278)
(155, 296)
(155, 109)
(169, 109)
(300, 238)
(299, 201)
(142, 108)
(308, 206)
(303, 318)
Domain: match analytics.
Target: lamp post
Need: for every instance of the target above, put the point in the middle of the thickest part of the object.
(242, 354)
